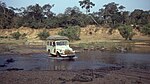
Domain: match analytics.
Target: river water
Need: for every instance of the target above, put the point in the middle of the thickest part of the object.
(85, 60)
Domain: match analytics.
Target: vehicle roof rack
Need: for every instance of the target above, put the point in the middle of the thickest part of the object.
(57, 37)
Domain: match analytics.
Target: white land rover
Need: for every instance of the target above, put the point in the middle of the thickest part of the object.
(58, 46)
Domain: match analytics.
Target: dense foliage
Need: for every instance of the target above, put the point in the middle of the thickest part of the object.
(43, 35)
(111, 15)
(146, 29)
(126, 32)
(72, 32)
(16, 35)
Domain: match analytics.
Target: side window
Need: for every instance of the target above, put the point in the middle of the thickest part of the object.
(53, 43)
(47, 42)
(50, 44)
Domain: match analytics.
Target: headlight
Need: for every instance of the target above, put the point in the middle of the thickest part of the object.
(71, 49)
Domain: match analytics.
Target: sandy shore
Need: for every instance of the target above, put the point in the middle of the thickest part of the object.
(98, 76)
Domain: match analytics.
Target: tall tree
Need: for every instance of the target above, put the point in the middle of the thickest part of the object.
(35, 12)
(136, 16)
(72, 11)
(111, 14)
(6, 16)
(47, 10)
(121, 8)
(87, 4)
(71, 16)
(111, 8)
(125, 17)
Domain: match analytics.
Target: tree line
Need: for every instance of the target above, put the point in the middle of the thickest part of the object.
(35, 16)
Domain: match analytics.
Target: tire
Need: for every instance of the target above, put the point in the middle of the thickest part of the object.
(48, 52)
(58, 54)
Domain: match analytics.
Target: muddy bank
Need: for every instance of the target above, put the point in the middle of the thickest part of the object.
(21, 49)
(142, 47)
(98, 76)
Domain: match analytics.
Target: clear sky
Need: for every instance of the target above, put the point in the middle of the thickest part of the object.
(61, 5)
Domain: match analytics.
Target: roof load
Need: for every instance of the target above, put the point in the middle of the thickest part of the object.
(57, 37)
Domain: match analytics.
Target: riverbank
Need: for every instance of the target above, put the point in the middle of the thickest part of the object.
(98, 76)
(109, 46)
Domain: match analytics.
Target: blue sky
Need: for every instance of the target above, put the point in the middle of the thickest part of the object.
(61, 5)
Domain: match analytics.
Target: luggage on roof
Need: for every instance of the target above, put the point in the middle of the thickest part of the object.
(57, 37)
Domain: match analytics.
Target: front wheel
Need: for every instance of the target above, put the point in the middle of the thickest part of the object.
(58, 54)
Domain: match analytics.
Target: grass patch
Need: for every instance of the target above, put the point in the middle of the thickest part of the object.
(111, 46)
(103, 44)
(11, 41)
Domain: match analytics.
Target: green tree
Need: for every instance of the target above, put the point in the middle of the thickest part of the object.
(139, 17)
(126, 32)
(111, 8)
(74, 17)
(135, 16)
(125, 17)
(47, 10)
(33, 10)
(16, 35)
(87, 4)
(33, 16)
(6, 16)
(72, 11)
(72, 32)
(43, 35)
(110, 14)
(146, 29)
(121, 8)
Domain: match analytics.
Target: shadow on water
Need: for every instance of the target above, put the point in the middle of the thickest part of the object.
(85, 60)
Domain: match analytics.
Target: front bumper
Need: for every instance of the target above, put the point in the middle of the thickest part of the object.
(72, 54)
(68, 55)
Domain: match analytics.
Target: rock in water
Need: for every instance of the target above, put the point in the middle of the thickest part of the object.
(10, 60)
(82, 78)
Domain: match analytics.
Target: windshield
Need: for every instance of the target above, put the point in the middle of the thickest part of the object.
(62, 43)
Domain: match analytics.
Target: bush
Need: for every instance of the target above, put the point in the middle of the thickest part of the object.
(146, 29)
(51, 22)
(36, 24)
(23, 36)
(72, 32)
(126, 31)
(16, 35)
(43, 35)
(4, 37)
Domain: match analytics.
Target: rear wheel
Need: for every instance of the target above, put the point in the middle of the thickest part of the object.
(48, 52)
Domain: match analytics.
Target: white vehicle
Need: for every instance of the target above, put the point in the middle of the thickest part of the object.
(58, 46)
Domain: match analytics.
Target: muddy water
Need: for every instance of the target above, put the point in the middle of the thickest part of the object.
(85, 60)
